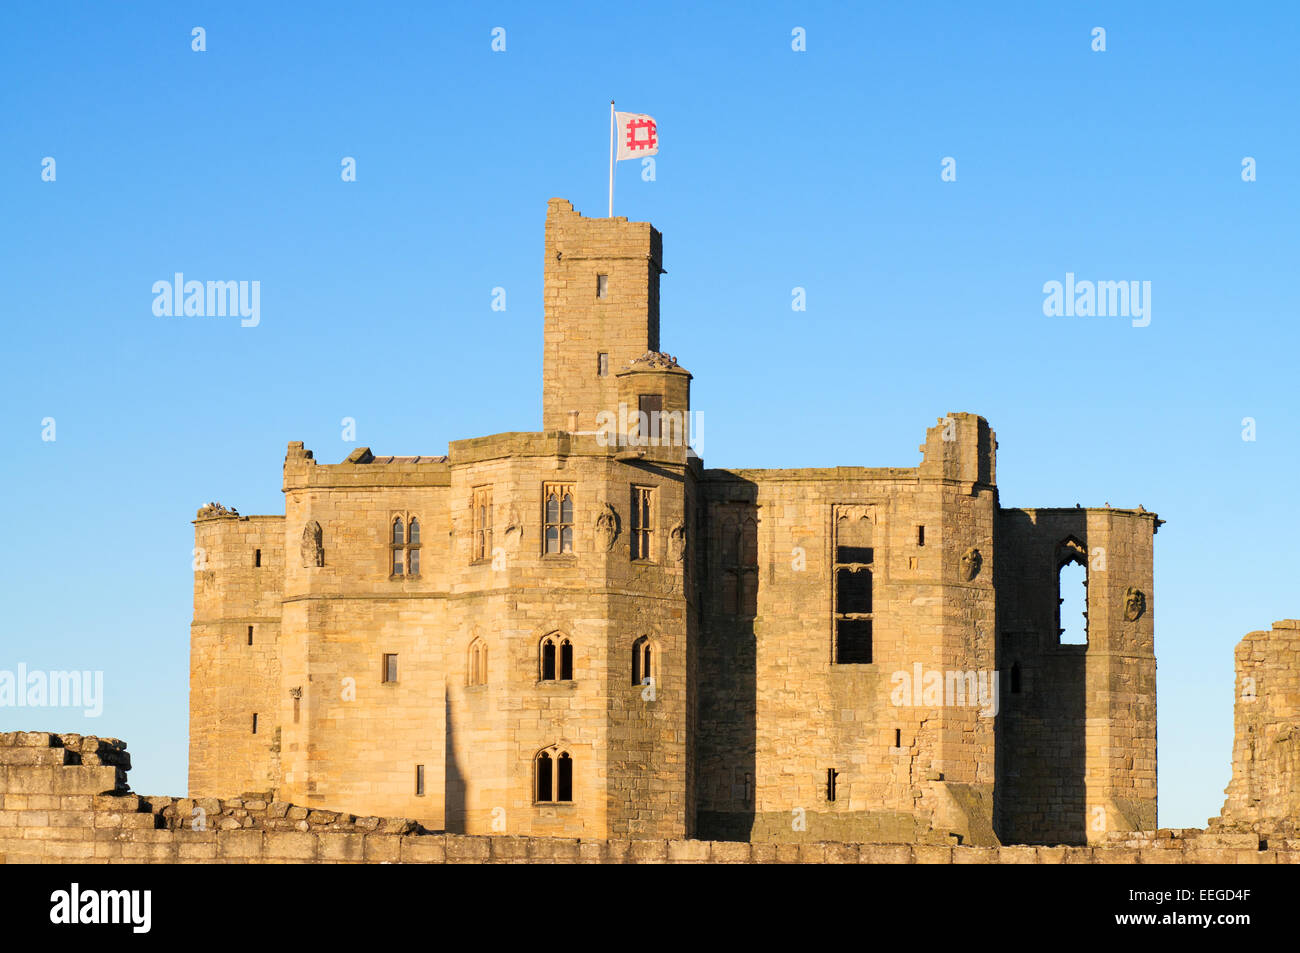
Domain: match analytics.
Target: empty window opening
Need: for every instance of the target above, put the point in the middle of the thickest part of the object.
(1015, 678)
(390, 668)
(898, 737)
(254, 722)
(548, 660)
(250, 635)
(1072, 614)
(831, 776)
(564, 777)
(602, 364)
(419, 780)
(602, 286)
(566, 661)
(543, 777)
(853, 576)
(641, 661)
(920, 536)
(257, 558)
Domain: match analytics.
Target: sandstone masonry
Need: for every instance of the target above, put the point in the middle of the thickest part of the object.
(585, 633)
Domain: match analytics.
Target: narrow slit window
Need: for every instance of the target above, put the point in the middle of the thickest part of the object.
(419, 780)
(642, 521)
(602, 364)
(254, 722)
(564, 777)
(257, 558)
(543, 777)
(390, 668)
(831, 776)
(250, 635)
(548, 660)
(566, 661)
(481, 513)
(602, 286)
(898, 737)
(920, 536)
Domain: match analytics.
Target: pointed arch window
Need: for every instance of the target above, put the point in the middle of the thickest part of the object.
(738, 558)
(558, 517)
(553, 776)
(556, 659)
(476, 664)
(644, 661)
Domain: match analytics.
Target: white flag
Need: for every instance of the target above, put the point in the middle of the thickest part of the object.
(637, 135)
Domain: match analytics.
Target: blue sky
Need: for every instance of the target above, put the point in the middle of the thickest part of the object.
(818, 169)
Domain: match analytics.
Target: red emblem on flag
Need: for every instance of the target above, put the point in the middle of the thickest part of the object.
(641, 134)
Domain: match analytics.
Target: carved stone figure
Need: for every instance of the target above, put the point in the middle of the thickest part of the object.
(313, 549)
(514, 529)
(1135, 603)
(607, 524)
(677, 542)
(295, 692)
(971, 561)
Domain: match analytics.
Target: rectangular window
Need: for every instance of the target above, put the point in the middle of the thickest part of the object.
(257, 558)
(920, 536)
(419, 780)
(405, 545)
(642, 522)
(481, 519)
(602, 286)
(297, 710)
(651, 408)
(831, 775)
(852, 579)
(254, 722)
(250, 635)
(390, 668)
(557, 517)
(602, 364)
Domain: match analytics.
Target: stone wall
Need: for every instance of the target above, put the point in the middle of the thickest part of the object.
(63, 799)
(1264, 793)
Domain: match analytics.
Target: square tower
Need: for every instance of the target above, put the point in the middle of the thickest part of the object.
(601, 303)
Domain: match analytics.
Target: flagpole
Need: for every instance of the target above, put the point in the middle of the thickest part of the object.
(611, 158)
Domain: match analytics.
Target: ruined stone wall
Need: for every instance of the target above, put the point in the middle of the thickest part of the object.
(235, 652)
(63, 799)
(778, 711)
(1264, 793)
(1078, 737)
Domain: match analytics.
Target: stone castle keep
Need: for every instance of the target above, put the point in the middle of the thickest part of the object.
(584, 632)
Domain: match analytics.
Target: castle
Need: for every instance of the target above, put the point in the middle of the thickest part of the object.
(584, 632)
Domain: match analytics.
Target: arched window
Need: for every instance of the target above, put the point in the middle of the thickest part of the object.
(543, 772)
(643, 660)
(413, 549)
(566, 660)
(558, 517)
(553, 776)
(1072, 601)
(548, 659)
(476, 665)
(556, 659)
(564, 777)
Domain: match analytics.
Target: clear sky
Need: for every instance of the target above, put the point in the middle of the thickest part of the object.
(779, 169)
